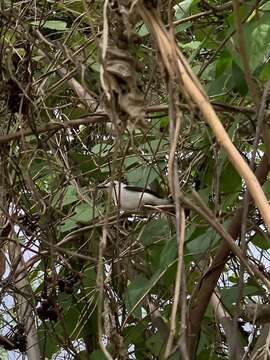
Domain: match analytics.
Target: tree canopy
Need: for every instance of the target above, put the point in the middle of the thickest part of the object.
(169, 96)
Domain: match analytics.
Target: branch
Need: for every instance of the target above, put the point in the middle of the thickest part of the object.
(25, 311)
(207, 215)
(213, 10)
(210, 279)
(233, 337)
(260, 350)
(258, 313)
(252, 86)
(102, 117)
(177, 66)
(55, 126)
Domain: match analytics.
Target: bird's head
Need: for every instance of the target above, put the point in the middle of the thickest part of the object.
(108, 185)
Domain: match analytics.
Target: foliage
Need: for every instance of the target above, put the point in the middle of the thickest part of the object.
(99, 277)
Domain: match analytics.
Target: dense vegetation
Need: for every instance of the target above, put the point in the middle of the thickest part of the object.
(169, 95)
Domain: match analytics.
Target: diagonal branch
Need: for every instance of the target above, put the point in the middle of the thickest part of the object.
(210, 279)
(177, 66)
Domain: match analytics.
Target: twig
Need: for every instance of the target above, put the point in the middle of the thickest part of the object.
(243, 54)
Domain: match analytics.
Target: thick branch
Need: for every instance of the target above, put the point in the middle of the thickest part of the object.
(233, 337)
(25, 311)
(177, 66)
(210, 279)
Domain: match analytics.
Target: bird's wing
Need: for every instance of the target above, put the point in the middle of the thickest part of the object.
(142, 190)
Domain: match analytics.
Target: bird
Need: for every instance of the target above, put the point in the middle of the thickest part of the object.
(130, 197)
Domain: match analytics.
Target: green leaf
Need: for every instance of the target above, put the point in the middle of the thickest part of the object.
(68, 225)
(83, 213)
(89, 278)
(139, 175)
(251, 290)
(85, 164)
(51, 24)
(143, 31)
(266, 188)
(102, 149)
(224, 62)
(154, 146)
(3, 354)
(135, 290)
(238, 79)
(73, 6)
(39, 168)
(257, 41)
(261, 241)
(204, 242)
(154, 231)
(95, 67)
(265, 72)
(155, 344)
(220, 85)
(49, 343)
(134, 334)
(183, 27)
(168, 254)
(258, 35)
(70, 195)
(130, 161)
(230, 294)
(193, 45)
(234, 279)
(182, 9)
(98, 355)
(71, 315)
(230, 180)
(140, 287)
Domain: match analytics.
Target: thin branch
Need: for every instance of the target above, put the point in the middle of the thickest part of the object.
(206, 214)
(102, 117)
(252, 86)
(98, 118)
(214, 9)
(177, 286)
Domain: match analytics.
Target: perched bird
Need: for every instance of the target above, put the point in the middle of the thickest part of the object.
(132, 197)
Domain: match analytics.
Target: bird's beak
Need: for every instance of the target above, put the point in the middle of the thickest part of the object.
(102, 186)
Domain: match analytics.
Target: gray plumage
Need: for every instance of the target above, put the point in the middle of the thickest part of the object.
(133, 197)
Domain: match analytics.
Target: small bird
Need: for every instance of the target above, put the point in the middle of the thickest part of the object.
(132, 197)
